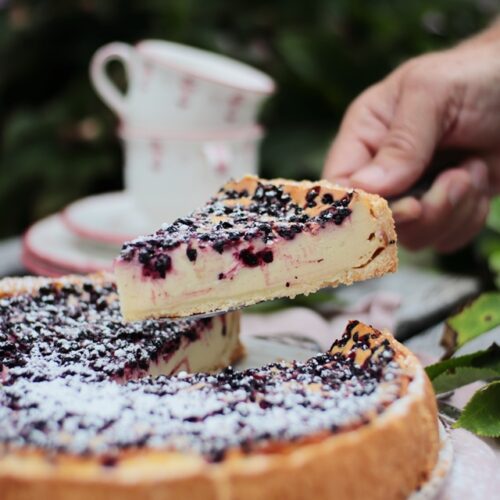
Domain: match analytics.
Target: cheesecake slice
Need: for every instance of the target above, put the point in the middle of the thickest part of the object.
(51, 329)
(256, 240)
(353, 423)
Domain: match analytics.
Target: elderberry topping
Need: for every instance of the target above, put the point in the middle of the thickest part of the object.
(78, 329)
(258, 215)
(192, 254)
(207, 414)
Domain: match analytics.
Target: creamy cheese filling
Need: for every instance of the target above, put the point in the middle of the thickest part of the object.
(214, 278)
(217, 347)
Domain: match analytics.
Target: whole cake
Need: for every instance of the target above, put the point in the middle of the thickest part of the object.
(356, 422)
(254, 241)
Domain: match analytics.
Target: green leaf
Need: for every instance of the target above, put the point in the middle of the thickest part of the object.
(488, 358)
(462, 376)
(481, 316)
(494, 261)
(456, 372)
(493, 221)
(481, 415)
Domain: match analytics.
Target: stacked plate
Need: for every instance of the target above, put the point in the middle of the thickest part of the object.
(85, 237)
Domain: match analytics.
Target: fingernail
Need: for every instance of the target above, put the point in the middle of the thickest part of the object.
(479, 176)
(370, 177)
(457, 191)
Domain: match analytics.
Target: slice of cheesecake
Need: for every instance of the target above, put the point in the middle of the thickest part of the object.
(256, 240)
(73, 326)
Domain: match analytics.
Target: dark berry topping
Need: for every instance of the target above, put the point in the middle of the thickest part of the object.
(266, 256)
(78, 409)
(311, 196)
(163, 263)
(218, 246)
(249, 258)
(78, 329)
(191, 253)
(253, 259)
(235, 217)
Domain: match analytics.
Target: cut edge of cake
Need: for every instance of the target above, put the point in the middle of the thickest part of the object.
(190, 357)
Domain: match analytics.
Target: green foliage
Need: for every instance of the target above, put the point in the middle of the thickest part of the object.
(489, 243)
(58, 139)
(481, 316)
(481, 415)
(494, 215)
(456, 372)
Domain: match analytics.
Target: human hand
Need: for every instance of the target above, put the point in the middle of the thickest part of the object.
(390, 134)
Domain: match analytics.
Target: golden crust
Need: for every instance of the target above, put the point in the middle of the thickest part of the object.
(387, 458)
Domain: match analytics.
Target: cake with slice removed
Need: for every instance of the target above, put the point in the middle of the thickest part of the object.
(356, 422)
(55, 328)
(256, 240)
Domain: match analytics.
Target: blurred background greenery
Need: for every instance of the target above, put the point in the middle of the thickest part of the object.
(58, 138)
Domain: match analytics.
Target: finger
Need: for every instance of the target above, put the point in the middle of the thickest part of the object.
(408, 146)
(439, 206)
(361, 133)
(406, 209)
(479, 173)
(471, 213)
(471, 225)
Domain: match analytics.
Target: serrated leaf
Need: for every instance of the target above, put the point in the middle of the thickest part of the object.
(461, 376)
(481, 316)
(488, 358)
(481, 415)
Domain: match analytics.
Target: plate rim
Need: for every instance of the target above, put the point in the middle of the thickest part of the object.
(93, 234)
(41, 256)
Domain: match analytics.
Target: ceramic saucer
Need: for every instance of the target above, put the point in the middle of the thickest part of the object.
(110, 218)
(51, 244)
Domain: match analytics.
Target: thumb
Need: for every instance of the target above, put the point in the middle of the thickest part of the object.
(406, 150)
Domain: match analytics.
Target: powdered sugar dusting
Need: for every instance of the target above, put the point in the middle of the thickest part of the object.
(207, 414)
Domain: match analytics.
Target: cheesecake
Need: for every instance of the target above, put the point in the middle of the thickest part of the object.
(256, 240)
(53, 329)
(356, 422)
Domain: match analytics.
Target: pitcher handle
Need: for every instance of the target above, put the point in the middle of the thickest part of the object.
(104, 86)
